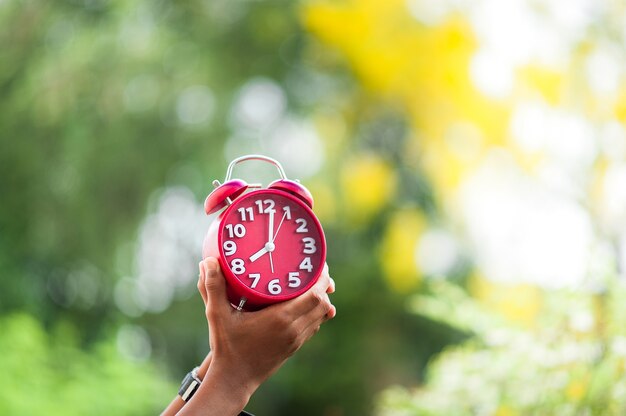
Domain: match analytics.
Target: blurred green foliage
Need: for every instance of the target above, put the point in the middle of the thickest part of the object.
(49, 373)
(110, 107)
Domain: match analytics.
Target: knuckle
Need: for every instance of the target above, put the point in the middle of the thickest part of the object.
(332, 312)
(323, 280)
(292, 349)
(316, 298)
(283, 320)
(211, 313)
(210, 284)
(325, 305)
(292, 335)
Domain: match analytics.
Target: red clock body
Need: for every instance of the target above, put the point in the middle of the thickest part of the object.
(270, 247)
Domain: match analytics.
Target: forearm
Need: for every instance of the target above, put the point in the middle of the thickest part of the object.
(174, 407)
(219, 395)
(177, 403)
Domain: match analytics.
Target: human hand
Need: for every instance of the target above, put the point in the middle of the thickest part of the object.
(248, 347)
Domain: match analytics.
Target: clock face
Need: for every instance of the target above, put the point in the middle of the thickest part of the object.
(272, 243)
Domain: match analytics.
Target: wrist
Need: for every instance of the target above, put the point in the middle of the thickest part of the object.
(220, 394)
(204, 366)
(232, 383)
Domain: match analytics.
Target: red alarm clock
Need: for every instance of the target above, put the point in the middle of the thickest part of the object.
(269, 243)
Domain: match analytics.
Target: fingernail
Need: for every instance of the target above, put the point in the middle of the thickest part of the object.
(211, 265)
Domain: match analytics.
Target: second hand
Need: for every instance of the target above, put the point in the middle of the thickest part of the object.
(279, 224)
(274, 238)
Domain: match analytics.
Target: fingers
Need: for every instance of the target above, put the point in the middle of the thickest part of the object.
(213, 289)
(327, 309)
(313, 326)
(201, 287)
(332, 312)
(331, 287)
(312, 298)
(310, 322)
(322, 311)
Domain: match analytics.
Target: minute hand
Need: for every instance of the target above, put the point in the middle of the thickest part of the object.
(270, 236)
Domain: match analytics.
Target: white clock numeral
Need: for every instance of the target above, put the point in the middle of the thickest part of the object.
(274, 287)
(238, 266)
(256, 277)
(249, 211)
(269, 206)
(302, 228)
(230, 247)
(294, 279)
(309, 245)
(237, 231)
(287, 212)
(306, 265)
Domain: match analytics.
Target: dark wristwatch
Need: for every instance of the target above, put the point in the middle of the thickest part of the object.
(190, 384)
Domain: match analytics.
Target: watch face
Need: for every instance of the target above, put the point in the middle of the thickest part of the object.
(272, 243)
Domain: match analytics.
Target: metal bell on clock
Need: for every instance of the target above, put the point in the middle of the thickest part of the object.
(294, 188)
(224, 194)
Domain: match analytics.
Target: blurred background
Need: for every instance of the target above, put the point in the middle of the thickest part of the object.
(467, 159)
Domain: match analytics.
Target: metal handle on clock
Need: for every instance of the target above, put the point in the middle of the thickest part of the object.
(274, 162)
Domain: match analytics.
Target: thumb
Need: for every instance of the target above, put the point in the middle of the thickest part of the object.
(215, 285)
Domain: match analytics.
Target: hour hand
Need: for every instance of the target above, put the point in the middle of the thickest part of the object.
(258, 254)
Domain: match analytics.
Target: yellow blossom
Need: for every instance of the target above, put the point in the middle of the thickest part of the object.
(397, 254)
(424, 68)
(504, 410)
(368, 183)
(548, 82)
(576, 389)
(620, 106)
(520, 303)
